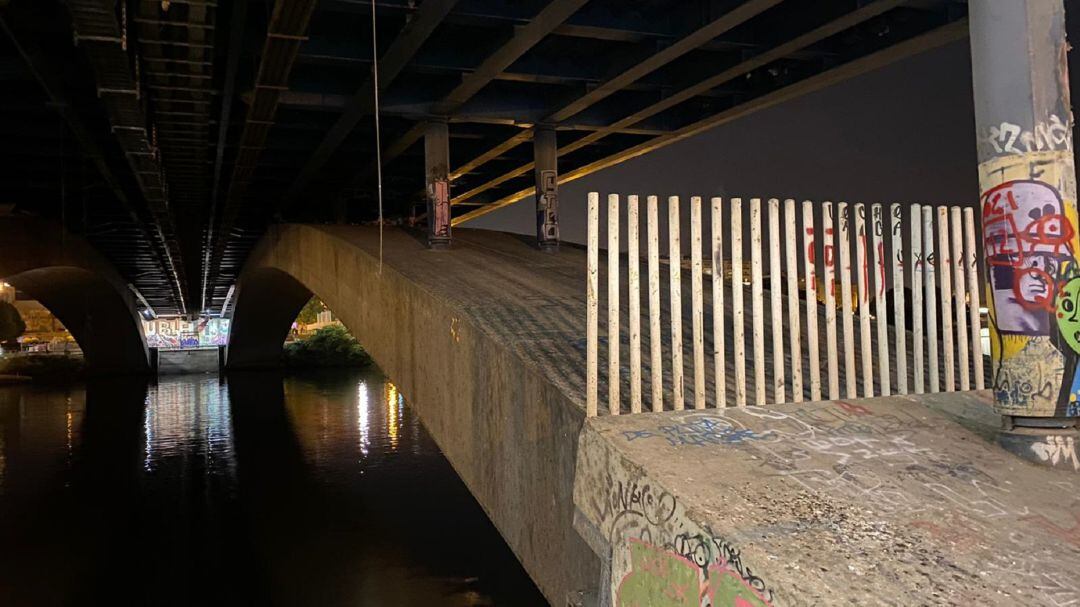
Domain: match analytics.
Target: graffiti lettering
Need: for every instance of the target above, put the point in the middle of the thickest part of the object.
(1040, 379)
(1009, 138)
(1057, 449)
(660, 578)
(180, 333)
(631, 498)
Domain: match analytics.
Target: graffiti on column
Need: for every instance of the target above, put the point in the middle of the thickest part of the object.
(439, 208)
(1030, 243)
(1068, 325)
(1027, 242)
(1009, 138)
(547, 207)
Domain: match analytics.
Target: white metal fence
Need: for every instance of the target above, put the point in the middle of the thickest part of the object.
(938, 348)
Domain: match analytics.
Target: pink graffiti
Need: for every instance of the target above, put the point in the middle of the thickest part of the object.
(853, 409)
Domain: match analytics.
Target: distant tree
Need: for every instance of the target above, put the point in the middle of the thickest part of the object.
(330, 346)
(310, 312)
(11, 324)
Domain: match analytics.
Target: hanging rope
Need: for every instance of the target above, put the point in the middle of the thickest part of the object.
(378, 139)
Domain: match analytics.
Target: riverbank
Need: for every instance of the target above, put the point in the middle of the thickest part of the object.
(41, 367)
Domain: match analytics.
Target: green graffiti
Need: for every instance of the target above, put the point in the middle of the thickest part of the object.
(727, 589)
(1068, 313)
(658, 579)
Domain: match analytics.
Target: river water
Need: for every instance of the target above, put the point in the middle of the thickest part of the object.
(255, 490)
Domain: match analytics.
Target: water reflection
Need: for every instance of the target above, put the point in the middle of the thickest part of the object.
(362, 423)
(394, 402)
(317, 490)
(189, 417)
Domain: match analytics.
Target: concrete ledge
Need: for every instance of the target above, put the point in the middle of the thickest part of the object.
(180, 362)
(879, 501)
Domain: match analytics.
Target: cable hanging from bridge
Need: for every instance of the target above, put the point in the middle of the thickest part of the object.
(378, 139)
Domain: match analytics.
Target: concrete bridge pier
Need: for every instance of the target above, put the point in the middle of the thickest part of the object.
(437, 174)
(546, 156)
(1027, 180)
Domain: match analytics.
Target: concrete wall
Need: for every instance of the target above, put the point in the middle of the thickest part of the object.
(188, 361)
(507, 431)
(78, 286)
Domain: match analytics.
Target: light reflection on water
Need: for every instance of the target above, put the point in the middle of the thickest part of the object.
(321, 490)
(189, 418)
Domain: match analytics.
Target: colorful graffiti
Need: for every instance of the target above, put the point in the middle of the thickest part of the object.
(181, 333)
(1030, 245)
(663, 578)
(1028, 240)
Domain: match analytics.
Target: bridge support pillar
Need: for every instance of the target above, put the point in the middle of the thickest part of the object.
(545, 154)
(1028, 198)
(437, 171)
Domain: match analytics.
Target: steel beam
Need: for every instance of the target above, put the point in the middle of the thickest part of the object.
(553, 15)
(741, 14)
(232, 63)
(525, 37)
(918, 44)
(401, 51)
(730, 74)
(46, 76)
(288, 24)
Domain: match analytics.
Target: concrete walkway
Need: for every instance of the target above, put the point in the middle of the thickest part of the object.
(882, 501)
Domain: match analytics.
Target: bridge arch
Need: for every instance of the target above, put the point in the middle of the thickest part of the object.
(434, 322)
(80, 287)
(267, 302)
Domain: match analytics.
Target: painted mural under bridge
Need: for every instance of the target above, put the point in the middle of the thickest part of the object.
(169, 333)
(1030, 239)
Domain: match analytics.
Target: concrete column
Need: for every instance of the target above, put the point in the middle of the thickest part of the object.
(437, 171)
(1028, 198)
(545, 154)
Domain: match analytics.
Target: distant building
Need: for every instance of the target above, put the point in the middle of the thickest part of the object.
(44, 331)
